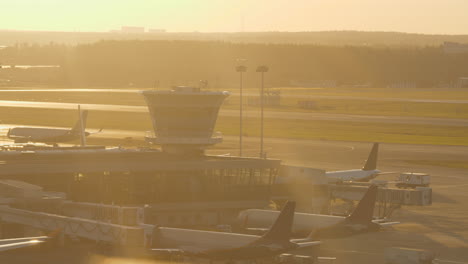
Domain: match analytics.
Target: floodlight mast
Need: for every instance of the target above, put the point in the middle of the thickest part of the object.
(262, 69)
(240, 69)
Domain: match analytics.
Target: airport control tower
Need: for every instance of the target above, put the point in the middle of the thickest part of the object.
(184, 118)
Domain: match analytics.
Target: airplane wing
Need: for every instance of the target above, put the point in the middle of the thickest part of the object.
(92, 133)
(307, 241)
(167, 251)
(388, 224)
(184, 250)
(309, 244)
(256, 231)
(384, 222)
(10, 244)
(388, 172)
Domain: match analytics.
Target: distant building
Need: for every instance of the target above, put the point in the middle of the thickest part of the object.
(271, 98)
(402, 84)
(455, 48)
(133, 30)
(462, 82)
(156, 30)
(314, 83)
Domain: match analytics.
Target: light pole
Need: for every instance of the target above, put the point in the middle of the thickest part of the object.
(262, 69)
(240, 69)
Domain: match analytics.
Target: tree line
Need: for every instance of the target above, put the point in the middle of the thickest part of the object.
(148, 63)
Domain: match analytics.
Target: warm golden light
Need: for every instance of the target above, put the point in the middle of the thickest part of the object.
(442, 17)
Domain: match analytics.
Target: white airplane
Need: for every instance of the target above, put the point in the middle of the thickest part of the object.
(231, 246)
(16, 243)
(52, 135)
(367, 173)
(322, 226)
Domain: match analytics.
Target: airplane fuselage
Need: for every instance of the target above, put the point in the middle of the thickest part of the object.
(171, 237)
(218, 245)
(351, 175)
(318, 226)
(302, 224)
(43, 135)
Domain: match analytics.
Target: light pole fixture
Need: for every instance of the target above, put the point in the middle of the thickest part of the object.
(240, 69)
(262, 69)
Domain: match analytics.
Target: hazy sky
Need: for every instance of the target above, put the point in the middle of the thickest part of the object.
(421, 16)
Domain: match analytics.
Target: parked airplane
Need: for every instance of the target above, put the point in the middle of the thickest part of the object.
(231, 246)
(322, 226)
(51, 135)
(16, 243)
(367, 173)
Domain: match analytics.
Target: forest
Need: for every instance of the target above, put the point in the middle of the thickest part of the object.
(149, 63)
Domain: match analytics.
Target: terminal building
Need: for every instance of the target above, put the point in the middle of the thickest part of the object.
(178, 184)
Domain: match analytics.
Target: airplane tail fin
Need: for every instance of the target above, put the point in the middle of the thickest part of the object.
(281, 230)
(371, 162)
(365, 209)
(83, 117)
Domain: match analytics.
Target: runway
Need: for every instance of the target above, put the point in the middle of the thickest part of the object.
(253, 114)
(315, 153)
(307, 96)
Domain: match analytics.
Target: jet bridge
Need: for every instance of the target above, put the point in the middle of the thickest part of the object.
(388, 198)
(27, 205)
(76, 227)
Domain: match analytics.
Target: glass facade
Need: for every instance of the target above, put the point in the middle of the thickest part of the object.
(174, 186)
